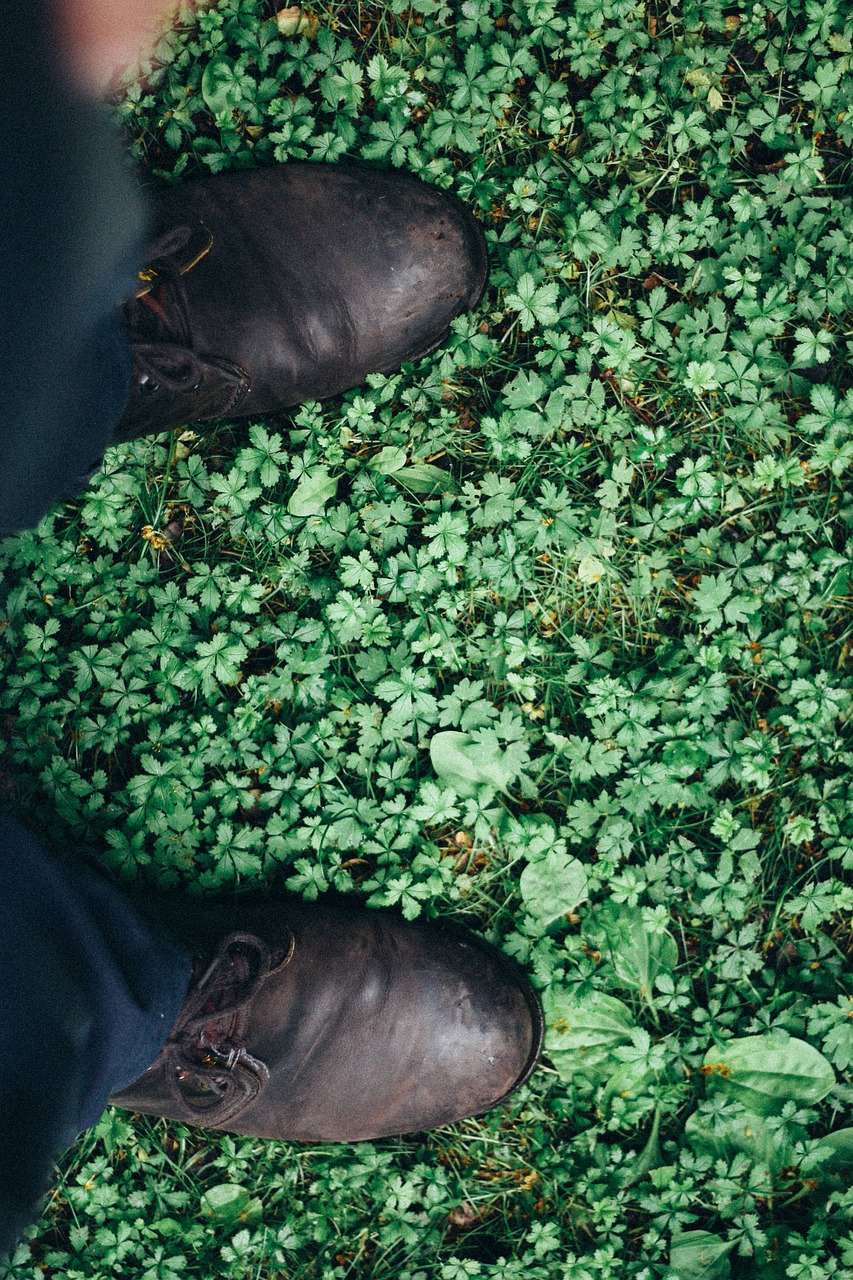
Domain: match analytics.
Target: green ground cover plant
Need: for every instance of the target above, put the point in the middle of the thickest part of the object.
(549, 633)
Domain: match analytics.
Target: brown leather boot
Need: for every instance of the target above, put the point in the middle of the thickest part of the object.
(274, 286)
(333, 1023)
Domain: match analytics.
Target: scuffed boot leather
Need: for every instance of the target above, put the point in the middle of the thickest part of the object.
(329, 1023)
(274, 286)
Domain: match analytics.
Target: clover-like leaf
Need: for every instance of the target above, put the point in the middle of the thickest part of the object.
(535, 303)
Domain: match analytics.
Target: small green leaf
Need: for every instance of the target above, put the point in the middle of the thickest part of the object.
(835, 1150)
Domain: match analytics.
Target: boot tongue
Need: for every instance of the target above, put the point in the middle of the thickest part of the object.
(174, 253)
(239, 966)
(158, 313)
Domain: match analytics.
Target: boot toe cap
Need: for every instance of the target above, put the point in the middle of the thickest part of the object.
(437, 1026)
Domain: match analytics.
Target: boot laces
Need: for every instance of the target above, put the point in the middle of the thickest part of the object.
(158, 317)
(210, 1071)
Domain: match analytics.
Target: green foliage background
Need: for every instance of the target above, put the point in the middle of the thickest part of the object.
(550, 632)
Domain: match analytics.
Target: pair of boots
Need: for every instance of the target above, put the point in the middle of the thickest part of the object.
(316, 1022)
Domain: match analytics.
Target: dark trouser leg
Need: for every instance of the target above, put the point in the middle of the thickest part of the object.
(89, 992)
(70, 227)
(102, 390)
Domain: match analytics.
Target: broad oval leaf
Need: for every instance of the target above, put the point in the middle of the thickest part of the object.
(296, 21)
(746, 1133)
(217, 85)
(764, 1072)
(313, 493)
(424, 478)
(447, 751)
(388, 460)
(582, 1030)
(644, 956)
(553, 886)
(225, 1200)
(638, 953)
(700, 1255)
(465, 764)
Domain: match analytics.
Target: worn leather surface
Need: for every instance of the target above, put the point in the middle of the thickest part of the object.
(372, 1027)
(316, 276)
